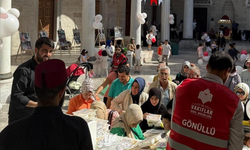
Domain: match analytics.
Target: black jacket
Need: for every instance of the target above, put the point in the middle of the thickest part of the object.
(47, 129)
(22, 90)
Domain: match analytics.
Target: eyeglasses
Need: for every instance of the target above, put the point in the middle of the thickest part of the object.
(186, 67)
(118, 49)
(162, 73)
(240, 93)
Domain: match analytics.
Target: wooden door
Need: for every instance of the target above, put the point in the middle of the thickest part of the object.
(128, 15)
(97, 7)
(46, 15)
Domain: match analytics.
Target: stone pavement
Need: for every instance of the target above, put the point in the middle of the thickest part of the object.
(148, 70)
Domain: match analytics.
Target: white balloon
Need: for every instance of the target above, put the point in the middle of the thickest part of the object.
(100, 25)
(2, 10)
(206, 58)
(171, 21)
(96, 25)
(200, 61)
(102, 47)
(98, 18)
(140, 15)
(14, 12)
(203, 38)
(144, 15)
(205, 35)
(239, 69)
(142, 21)
(171, 16)
(243, 57)
(9, 25)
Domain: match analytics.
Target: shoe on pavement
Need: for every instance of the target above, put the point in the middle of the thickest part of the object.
(90, 75)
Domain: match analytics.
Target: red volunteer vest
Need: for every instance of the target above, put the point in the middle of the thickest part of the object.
(117, 61)
(202, 115)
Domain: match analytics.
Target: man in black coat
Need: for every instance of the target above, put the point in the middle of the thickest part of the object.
(23, 96)
(221, 42)
(47, 128)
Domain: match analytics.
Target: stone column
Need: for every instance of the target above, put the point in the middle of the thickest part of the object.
(135, 26)
(88, 32)
(188, 19)
(165, 12)
(5, 52)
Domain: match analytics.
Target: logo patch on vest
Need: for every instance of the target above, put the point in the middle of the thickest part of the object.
(200, 109)
(205, 96)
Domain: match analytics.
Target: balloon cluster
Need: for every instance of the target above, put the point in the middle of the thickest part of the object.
(9, 23)
(141, 17)
(243, 55)
(97, 24)
(206, 56)
(204, 36)
(171, 19)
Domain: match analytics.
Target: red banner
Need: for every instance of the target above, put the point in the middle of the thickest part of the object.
(153, 1)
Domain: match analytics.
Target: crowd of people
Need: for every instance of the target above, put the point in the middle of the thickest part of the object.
(195, 110)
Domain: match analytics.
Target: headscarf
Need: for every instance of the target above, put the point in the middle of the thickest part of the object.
(132, 116)
(186, 63)
(108, 43)
(244, 87)
(101, 109)
(148, 107)
(141, 83)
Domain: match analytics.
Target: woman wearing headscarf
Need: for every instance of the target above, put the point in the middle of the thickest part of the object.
(135, 95)
(101, 109)
(84, 99)
(152, 106)
(103, 113)
(109, 48)
(233, 79)
(180, 76)
(127, 124)
(242, 91)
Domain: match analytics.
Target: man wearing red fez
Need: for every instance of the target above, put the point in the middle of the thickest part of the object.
(47, 128)
(23, 96)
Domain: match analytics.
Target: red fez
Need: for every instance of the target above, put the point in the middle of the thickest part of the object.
(50, 74)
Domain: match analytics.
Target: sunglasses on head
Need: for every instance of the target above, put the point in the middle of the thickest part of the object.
(240, 93)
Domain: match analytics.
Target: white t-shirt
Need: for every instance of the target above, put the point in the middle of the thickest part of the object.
(208, 39)
(138, 53)
(166, 49)
(245, 147)
(84, 58)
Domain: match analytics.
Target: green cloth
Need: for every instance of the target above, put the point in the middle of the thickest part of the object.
(104, 90)
(117, 87)
(120, 132)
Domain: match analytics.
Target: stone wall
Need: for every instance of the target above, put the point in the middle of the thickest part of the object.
(28, 22)
(71, 10)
